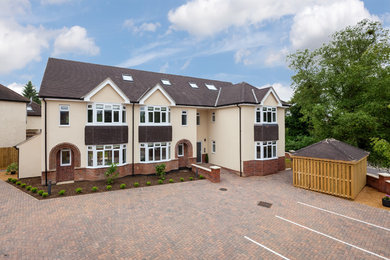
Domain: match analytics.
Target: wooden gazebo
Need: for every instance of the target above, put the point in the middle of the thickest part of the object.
(332, 167)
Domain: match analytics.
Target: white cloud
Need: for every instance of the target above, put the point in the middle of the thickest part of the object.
(142, 58)
(186, 64)
(54, 2)
(144, 27)
(284, 92)
(12, 8)
(208, 17)
(75, 40)
(276, 58)
(164, 68)
(314, 24)
(17, 87)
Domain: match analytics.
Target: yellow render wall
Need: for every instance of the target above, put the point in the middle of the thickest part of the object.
(107, 95)
(12, 123)
(33, 122)
(29, 157)
(202, 129)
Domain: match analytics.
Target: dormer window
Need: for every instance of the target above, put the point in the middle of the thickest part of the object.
(127, 77)
(166, 82)
(266, 115)
(155, 115)
(210, 86)
(193, 85)
(106, 114)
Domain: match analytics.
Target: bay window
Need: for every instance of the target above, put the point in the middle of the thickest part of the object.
(105, 155)
(106, 114)
(266, 115)
(155, 115)
(155, 152)
(265, 150)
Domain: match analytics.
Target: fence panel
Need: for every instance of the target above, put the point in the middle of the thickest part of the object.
(8, 155)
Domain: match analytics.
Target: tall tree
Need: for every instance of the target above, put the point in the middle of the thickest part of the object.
(343, 88)
(29, 91)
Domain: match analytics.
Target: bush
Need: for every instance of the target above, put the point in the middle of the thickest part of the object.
(18, 183)
(123, 186)
(14, 180)
(23, 185)
(10, 179)
(380, 154)
(181, 179)
(170, 180)
(61, 192)
(136, 184)
(148, 183)
(111, 173)
(78, 190)
(40, 192)
(160, 181)
(34, 189)
(28, 187)
(191, 178)
(108, 187)
(387, 197)
(13, 167)
(298, 142)
(201, 177)
(160, 170)
(94, 188)
(45, 194)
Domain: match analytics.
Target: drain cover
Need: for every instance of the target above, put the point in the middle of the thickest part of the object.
(264, 204)
(223, 189)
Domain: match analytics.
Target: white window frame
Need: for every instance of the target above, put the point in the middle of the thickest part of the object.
(63, 109)
(267, 109)
(120, 108)
(213, 117)
(213, 147)
(107, 147)
(154, 109)
(153, 146)
(262, 144)
(184, 113)
(70, 157)
(182, 150)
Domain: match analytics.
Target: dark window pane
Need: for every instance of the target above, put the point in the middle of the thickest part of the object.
(90, 115)
(183, 119)
(180, 152)
(265, 152)
(258, 117)
(116, 116)
(90, 158)
(124, 156)
(142, 117)
(163, 117)
(64, 117)
(258, 152)
(65, 157)
(116, 156)
(269, 151)
(163, 153)
(142, 154)
(157, 116)
(157, 151)
(99, 115)
(274, 151)
(273, 117)
(264, 116)
(123, 116)
(151, 154)
(150, 117)
(269, 117)
(100, 158)
(107, 116)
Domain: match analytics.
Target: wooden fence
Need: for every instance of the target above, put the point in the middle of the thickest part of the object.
(8, 155)
(339, 178)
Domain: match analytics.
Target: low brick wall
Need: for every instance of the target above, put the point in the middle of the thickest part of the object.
(213, 174)
(263, 167)
(380, 182)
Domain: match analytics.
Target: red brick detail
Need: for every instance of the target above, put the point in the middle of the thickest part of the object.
(379, 183)
(214, 175)
(57, 148)
(51, 176)
(185, 160)
(149, 168)
(264, 167)
(204, 158)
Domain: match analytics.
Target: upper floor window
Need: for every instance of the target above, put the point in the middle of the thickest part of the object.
(213, 117)
(183, 117)
(105, 155)
(266, 150)
(198, 118)
(266, 115)
(106, 114)
(154, 115)
(64, 114)
(213, 147)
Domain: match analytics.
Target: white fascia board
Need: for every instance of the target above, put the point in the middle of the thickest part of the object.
(99, 87)
(150, 92)
(271, 90)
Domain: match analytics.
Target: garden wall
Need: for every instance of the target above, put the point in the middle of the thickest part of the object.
(381, 182)
(213, 174)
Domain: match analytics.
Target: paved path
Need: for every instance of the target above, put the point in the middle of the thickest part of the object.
(192, 220)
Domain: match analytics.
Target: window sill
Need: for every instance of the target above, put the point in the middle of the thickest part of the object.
(104, 166)
(158, 124)
(266, 159)
(156, 161)
(63, 125)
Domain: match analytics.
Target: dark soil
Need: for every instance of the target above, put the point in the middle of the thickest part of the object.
(86, 186)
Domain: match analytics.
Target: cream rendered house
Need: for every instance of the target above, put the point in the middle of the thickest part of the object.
(95, 115)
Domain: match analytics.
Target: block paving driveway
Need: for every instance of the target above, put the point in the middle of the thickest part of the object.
(193, 220)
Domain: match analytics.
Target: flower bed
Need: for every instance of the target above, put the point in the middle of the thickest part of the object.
(33, 186)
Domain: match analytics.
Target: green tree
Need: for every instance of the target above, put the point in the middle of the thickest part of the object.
(380, 155)
(29, 91)
(343, 88)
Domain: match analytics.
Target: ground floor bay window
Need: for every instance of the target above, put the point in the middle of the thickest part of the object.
(105, 155)
(155, 152)
(266, 150)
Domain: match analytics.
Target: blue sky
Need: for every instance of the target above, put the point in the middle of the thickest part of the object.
(230, 40)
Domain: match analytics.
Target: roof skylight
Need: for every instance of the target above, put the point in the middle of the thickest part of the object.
(211, 86)
(193, 85)
(127, 77)
(166, 82)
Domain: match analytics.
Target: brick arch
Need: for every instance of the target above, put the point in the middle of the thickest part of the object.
(188, 146)
(57, 148)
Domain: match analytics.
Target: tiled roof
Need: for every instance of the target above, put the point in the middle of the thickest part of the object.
(74, 80)
(35, 109)
(332, 149)
(7, 94)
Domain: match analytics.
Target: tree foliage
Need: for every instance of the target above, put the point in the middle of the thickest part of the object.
(380, 155)
(29, 91)
(343, 88)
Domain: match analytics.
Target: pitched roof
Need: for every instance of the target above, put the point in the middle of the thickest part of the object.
(35, 109)
(74, 80)
(332, 149)
(7, 94)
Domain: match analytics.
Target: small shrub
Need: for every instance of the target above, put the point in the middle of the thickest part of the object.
(34, 189)
(136, 184)
(28, 187)
(61, 192)
(45, 194)
(18, 183)
(14, 180)
(387, 197)
(108, 187)
(201, 177)
(191, 178)
(111, 173)
(170, 180)
(23, 185)
(181, 179)
(160, 181)
(94, 188)
(160, 170)
(10, 179)
(12, 168)
(123, 186)
(148, 183)
(78, 190)
(40, 192)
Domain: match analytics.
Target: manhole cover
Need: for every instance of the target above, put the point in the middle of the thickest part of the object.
(264, 204)
(223, 189)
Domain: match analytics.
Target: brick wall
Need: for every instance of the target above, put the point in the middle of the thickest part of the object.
(265, 167)
(380, 182)
(213, 173)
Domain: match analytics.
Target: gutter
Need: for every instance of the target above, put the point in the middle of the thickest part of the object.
(45, 141)
(132, 142)
(239, 116)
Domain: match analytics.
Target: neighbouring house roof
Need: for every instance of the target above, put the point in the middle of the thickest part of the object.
(7, 94)
(74, 80)
(33, 109)
(332, 149)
